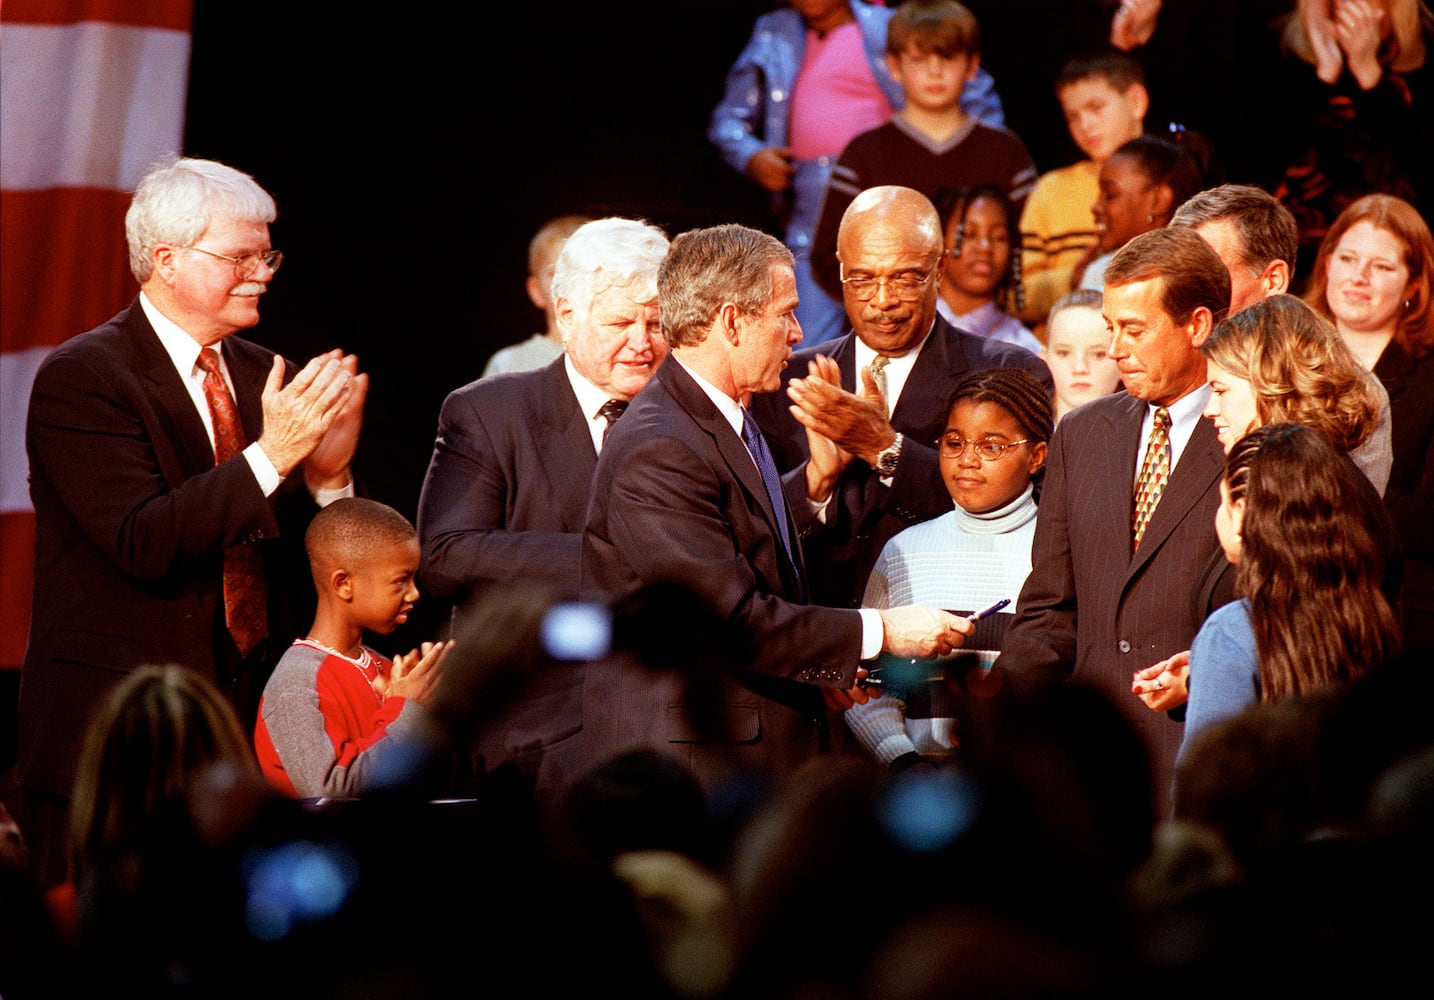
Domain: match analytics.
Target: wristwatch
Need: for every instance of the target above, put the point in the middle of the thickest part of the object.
(887, 458)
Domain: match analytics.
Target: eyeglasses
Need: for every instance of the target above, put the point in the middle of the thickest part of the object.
(246, 264)
(953, 446)
(906, 287)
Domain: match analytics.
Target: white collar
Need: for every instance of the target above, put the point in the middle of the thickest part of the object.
(183, 350)
(730, 409)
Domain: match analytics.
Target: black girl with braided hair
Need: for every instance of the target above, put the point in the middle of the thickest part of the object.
(991, 453)
(981, 290)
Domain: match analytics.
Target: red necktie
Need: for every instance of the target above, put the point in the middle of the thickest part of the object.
(245, 590)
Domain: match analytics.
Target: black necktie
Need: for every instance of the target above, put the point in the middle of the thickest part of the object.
(610, 411)
(767, 466)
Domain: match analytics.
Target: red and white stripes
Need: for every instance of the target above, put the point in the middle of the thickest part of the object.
(92, 94)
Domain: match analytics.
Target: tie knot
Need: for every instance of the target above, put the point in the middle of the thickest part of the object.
(209, 359)
(749, 427)
(612, 409)
(1162, 418)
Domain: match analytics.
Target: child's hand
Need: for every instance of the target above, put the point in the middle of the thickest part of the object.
(416, 674)
(1164, 685)
(772, 168)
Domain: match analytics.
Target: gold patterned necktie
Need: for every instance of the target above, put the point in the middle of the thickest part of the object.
(246, 595)
(1154, 472)
(877, 368)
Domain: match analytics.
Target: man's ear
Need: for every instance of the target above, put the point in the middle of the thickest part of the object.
(564, 315)
(727, 315)
(1276, 278)
(974, 67)
(162, 256)
(1202, 321)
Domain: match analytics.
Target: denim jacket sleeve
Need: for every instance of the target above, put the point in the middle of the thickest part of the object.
(752, 113)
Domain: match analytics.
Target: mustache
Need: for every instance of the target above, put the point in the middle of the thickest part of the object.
(250, 288)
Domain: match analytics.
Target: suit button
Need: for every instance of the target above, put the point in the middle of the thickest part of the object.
(1123, 645)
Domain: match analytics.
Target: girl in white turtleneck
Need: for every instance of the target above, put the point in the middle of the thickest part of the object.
(997, 428)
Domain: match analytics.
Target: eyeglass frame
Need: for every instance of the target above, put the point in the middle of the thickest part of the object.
(259, 256)
(1001, 447)
(890, 281)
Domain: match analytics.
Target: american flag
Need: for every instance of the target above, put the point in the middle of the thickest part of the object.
(92, 95)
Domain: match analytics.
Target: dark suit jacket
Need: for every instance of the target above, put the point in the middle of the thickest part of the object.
(505, 499)
(678, 497)
(864, 514)
(132, 517)
(1410, 493)
(1090, 610)
(507, 489)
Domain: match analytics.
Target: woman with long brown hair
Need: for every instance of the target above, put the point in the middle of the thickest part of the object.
(1293, 519)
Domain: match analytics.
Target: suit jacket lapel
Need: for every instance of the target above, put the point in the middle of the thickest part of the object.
(689, 395)
(183, 426)
(565, 444)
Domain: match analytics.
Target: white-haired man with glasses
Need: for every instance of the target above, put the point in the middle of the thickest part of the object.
(875, 399)
(506, 492)
(173, 468)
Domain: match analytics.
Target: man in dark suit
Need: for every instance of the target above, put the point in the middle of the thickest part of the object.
(1098, 605)
(162, 456)
(507, 488)
(884, 476)
(679, 495)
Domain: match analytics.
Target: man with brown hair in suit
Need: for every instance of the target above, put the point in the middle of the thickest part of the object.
(507, 488)
(686, 491)
(1123, 572)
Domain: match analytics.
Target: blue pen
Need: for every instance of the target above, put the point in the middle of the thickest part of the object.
(976, 616)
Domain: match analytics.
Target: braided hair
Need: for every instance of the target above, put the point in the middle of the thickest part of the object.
(953, 204)
(1017, 391)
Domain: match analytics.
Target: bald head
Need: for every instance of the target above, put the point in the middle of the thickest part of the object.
(890, 247)
(888, 210)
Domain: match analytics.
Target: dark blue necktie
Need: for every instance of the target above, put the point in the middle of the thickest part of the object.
(767, 466)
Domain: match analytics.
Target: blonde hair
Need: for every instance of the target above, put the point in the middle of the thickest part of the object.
(1300, 369)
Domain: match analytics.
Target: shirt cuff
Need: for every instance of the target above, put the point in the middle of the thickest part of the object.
(872, 633)
(324, 497)
(263, 469)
